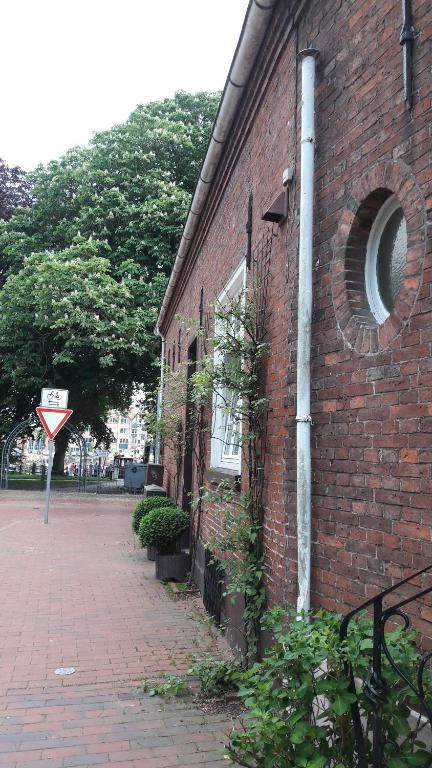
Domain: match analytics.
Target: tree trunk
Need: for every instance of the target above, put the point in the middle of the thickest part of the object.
(60, 444)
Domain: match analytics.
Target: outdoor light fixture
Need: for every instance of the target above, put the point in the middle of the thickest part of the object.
(278, 210)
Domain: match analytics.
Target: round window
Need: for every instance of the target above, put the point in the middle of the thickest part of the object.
(385, 259)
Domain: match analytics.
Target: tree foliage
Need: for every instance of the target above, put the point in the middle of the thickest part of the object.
(66, 319)
(85, 268)
(15, 190)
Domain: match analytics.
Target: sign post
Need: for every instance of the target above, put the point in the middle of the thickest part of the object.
(53, 415)
(48, 482)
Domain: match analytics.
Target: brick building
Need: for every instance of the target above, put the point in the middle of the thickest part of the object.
(371, 336)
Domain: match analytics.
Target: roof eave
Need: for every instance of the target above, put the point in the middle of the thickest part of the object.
(254, 28)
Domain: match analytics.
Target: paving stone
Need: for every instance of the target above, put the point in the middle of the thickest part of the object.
(79, 593)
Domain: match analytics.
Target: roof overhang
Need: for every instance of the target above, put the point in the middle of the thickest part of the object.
(254, 28)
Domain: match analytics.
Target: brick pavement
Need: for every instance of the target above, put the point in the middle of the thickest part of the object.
(79, 593)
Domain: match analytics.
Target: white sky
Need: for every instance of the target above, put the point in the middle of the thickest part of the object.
(72, 67)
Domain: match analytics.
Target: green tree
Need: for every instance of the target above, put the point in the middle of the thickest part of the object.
(130, 189)
(15, 190)
(64, 318)
(85, 268)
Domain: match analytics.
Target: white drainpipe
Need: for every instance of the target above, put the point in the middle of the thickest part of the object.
(160, 399)
(303, 418)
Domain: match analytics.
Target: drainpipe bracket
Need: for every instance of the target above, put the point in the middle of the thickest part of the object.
(304, 419)
(308, 52)
(407, 33)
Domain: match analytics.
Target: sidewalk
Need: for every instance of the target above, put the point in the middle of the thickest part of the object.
(78, 593)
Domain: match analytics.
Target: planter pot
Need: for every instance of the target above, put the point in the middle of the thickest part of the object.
(172, 567)
(151, 553)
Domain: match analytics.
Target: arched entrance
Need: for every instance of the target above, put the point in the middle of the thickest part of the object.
(31, 423)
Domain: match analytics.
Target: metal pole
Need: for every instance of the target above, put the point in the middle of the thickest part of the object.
(377, 685)
(48, 483)
(157, 448)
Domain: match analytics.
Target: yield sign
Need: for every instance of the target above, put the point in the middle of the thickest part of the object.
(53, 419)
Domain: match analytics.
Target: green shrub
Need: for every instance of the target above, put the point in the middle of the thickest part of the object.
(298, 698)
(162, 527)
(147, 505)
(174, 685)
(217, 676)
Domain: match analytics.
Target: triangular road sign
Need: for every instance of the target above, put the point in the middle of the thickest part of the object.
(53, 419)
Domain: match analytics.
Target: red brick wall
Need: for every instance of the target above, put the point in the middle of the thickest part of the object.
(371, 400)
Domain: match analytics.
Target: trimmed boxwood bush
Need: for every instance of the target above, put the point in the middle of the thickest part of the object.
(162, 527)
(145, 506)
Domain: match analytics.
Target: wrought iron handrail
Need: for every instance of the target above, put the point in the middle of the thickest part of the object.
(375, 688)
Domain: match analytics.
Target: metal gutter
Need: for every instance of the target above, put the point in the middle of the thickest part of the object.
(254, 29)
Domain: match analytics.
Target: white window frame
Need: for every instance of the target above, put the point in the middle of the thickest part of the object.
(221, 422)
(378, 309)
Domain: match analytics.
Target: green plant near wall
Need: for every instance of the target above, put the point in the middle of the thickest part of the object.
(144, 506)
(238, 367)
(217, 676)
(298, 698)
(162, 527)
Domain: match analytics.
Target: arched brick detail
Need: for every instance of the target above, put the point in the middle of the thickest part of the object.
(355, 320)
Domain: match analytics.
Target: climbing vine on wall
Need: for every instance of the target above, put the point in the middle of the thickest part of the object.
(229, 371)
(233, 376)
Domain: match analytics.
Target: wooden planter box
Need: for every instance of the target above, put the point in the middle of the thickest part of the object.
(172, 567)
(151, 553)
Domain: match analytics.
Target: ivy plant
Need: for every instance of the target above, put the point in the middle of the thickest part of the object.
(238, 367)
(298, 697)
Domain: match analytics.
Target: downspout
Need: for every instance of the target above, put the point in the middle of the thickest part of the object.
(303, 417)
(160, 398)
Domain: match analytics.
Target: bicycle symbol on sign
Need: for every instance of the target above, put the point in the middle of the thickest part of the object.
(54, 398)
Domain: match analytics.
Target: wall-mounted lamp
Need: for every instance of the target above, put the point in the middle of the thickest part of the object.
(278, 210)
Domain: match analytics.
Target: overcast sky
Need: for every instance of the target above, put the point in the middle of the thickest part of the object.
(72, 67)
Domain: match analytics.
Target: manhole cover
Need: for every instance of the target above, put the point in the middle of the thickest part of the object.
(64, 671)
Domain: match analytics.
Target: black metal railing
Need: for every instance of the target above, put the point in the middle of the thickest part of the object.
(213, 586)
(374, 743)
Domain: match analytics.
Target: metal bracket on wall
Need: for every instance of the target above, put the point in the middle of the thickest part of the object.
(407, 36)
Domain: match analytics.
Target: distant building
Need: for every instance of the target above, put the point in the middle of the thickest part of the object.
(130, 438)
(130, 434)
